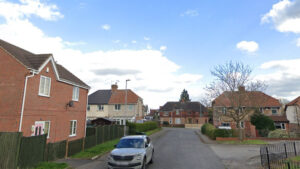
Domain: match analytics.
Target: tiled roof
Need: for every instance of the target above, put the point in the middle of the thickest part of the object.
(294, 102)
(35, 61)
(185, 106)
(279, 119)
(100, 97)
(113, 97)
(118, 97)
(247, 99)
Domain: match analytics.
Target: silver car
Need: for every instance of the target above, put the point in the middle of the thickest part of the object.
(132, 152)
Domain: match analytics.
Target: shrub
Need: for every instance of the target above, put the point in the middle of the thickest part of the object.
(278, 134)
(262, 123)
(141, 127)
(223, 133)
(209, 130)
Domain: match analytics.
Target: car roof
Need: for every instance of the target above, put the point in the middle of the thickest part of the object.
(134, 136)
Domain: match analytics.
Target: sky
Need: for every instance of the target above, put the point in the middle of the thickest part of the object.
(163, 47)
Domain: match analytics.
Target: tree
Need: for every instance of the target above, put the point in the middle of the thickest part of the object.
(263, 123)
(184, 97)
(234, 85)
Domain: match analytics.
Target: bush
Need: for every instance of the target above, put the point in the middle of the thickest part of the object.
(209, 130)
(223, 133)
(278, 134)
(141, 127)
(262, 123)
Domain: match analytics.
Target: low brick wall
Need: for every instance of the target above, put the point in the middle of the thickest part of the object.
(257, 138)
(193, 126)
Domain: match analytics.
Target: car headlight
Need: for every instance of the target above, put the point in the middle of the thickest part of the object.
(109, 157)
(139, 156)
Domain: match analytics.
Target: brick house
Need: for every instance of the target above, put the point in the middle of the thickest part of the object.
(292, 110)
(111, 104)
(249, 100)
(180, 113)
(39, 96)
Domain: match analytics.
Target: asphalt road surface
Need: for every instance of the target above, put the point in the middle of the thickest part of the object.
(175, 148)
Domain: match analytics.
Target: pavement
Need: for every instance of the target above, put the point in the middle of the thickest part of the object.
(175, 148)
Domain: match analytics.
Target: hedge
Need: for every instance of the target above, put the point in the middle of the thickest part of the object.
(281, 134)
(212, 132)
(141, 127)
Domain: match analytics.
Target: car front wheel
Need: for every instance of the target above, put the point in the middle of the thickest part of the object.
(151, 161)
(144, 164)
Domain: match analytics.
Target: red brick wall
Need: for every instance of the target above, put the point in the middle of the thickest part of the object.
(38, 108)
(12, 79)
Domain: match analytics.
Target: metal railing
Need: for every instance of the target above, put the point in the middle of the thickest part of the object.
(278, 156)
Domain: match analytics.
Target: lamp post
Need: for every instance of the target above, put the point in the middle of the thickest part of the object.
(127, 80)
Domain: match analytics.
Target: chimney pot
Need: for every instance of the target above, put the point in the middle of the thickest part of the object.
(114, 87)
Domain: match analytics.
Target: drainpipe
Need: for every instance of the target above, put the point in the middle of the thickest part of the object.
(23, 101)
(87, 104)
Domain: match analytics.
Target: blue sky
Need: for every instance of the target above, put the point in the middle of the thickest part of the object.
(196, 35)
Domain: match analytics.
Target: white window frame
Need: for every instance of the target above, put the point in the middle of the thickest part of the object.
(166, 113)
(75, 95)
(73, 133)
(43, 131)
(117, 106)
(242, 126)
(43, 94)
(100, 107)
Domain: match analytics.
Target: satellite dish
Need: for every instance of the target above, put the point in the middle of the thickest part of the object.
(71, 103)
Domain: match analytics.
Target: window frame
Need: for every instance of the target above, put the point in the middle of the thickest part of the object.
(100, 107)
(76, 93)
(44, 87)
(118, 105)
(275, 110)
(72, 133)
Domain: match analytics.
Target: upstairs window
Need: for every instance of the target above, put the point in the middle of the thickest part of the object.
(177, 112)
(100, 107)
(130, 107)
(88, 107)
(166, 113)
(117, 107)
(274, 111)
(224, 110)
(75, 96)
(45, 84)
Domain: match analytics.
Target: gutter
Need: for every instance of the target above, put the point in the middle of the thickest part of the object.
(23, 101)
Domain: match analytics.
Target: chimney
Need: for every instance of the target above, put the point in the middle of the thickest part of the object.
(242, 88)
(114, 87)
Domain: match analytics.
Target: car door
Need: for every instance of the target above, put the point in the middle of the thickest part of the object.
(149, 149)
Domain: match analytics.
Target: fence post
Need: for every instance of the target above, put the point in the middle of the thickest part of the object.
(269, 167)
(285, 150)
(67, 148)
(295, 148)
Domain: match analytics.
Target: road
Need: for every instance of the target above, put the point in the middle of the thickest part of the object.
(175, 148)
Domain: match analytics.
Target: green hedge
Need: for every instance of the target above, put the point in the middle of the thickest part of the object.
(281, 134)
(141, 127)
(212, 132)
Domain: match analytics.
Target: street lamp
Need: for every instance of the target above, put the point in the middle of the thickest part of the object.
(127, 80)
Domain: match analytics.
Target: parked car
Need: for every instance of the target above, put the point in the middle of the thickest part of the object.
(132, 152)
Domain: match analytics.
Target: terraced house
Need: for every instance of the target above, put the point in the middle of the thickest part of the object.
(39, 96)
(116, 104)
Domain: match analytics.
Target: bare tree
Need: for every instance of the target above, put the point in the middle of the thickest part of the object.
(234, 90)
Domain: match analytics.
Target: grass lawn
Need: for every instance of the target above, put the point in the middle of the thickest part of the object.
(51, 165)
(243, 142)
(103, 148)
(296, 159)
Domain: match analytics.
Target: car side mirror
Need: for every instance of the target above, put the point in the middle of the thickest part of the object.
(147, 145)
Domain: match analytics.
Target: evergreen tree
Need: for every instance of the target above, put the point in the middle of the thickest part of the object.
(184, 97)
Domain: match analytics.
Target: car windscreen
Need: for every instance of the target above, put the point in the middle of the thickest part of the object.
(131, 143)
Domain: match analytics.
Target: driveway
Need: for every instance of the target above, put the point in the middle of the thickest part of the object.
(175, 148)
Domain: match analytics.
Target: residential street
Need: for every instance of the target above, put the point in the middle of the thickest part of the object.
(175, 148)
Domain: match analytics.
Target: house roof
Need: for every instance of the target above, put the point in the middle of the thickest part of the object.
(100, 97)
(279, 119)
(35, 61)
(113, 97)
(186, 106)
(294, 102)
(247, 99)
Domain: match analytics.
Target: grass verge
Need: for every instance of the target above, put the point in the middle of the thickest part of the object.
(255, 142)
(296, 159)
(153, 131)
(51, 165)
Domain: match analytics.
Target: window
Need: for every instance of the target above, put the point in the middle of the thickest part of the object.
(73, 126)
(88, 107)
(224, 110)
(283, 126)
(274, 110)
(45, 84)
(225, 124)
(170, 121)
(177, 112)
(166, 113)
(177, 121)
(261, 110)
(42, 127)
(75, 96)
(117, 107)
(242, 124)
(100, 107)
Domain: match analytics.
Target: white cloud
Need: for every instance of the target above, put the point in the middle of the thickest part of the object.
(27, 8)
(106, 27)
(133, 41)
(285, 15)
(298, 42)
(116, 41)
(146, 38)
(190, 12)
(248, 46)
(153, 76)
(163, 48)
(284, 78)
(149, 46)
